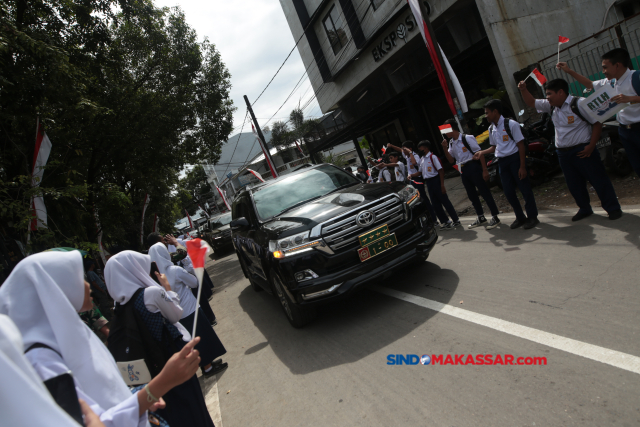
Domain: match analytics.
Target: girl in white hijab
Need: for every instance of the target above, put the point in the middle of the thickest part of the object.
(126, 274)
(43, 296)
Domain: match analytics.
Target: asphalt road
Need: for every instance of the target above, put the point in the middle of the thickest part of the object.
(565, 291)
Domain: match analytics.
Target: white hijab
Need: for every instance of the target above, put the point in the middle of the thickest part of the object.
(160, 255)
(42, 296)
(21, 386)
(125, 273)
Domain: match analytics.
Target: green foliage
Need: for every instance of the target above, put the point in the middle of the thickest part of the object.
(194, 189)
(364, 144)
(337, 160)
(127, 95)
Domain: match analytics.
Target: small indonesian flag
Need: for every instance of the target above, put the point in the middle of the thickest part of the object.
(384, 149)
(445, 129)
(562, 40)
(538, 77)
(256, 174)
(198, 250)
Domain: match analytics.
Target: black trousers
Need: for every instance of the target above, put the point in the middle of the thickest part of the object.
(472, 179)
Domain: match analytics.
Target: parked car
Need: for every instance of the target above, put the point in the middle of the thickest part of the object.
(318, 234)
(219, 236)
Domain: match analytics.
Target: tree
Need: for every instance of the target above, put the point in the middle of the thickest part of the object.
(127, 100)
(196, 185)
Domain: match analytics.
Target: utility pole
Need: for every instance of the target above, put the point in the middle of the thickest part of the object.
(456, 103)
(263, 142)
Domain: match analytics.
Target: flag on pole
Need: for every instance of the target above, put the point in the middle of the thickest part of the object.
(445, 129)
(189, 219)
(562, 40)
(205, 212)
(265, 151)
(538, 77)
(256, 174)
(40, 157)
(198, 250)
(422, 26)
(156, 222)
(147, 199)
(455, 82)
(300, 152)
(224, 199)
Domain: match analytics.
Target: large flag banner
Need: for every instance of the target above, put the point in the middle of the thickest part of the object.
(300, 152)
(147, 199)
(40, 157)
(224, 199)
(189, 219)
(156, 221)
(205, 212)
(455, 82)
(198, 250)
(599, 105)
(256, 174)
(422, 26)
(265, 151)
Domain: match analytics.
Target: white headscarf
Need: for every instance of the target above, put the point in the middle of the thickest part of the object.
(160, 255)
(125, 273)
(21, 386)
(42, 296)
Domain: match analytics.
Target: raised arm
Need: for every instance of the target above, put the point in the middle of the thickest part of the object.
(579, 77)
(526, 95)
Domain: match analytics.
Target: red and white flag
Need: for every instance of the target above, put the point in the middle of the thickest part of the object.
(562, 40)
(538, 77)
(189, 219)
(40, 157)
(205, 212)
(300, 150)
(445, 129)
(198, 250)
(156, 222)
(256, 174)
(147, 199)
(224, 199)
(265, 151)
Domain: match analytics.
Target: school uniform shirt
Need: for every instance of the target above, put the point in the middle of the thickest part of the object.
(429, 166)
(458, 150)
(499, 138)
(623, 85)
(412, 169)
(570, 129)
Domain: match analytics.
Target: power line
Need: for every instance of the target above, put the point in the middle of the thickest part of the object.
(237, 141)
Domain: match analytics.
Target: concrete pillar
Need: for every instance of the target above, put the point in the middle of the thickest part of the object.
(363, 161)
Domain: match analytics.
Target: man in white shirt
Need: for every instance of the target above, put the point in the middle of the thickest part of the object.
(508, 145)
(431, 171)
(576, 138)
(396, 165)
(460, 150)
(615, 66)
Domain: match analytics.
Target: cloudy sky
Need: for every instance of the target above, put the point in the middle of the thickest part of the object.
(253, 38)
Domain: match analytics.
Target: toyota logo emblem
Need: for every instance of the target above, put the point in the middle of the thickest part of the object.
(365, 218)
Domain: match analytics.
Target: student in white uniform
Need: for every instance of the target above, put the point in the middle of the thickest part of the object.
(616, 66)
(431, 171)
(24, 399)
(460, 149)
(396, 165)
(43, 296)
(507, 143)
(210, 346)
(576, 139)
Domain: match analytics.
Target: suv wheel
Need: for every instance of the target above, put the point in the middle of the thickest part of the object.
(298, 316)
(247, 274)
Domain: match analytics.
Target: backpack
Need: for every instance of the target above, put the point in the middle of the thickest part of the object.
(635, 81)
(132, 345)
(574, 108)
(466, 144)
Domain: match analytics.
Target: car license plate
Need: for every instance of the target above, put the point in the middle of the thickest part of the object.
(377, 247)
(604, 142)
(373, 235)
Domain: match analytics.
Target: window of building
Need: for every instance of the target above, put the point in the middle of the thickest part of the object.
(376, 3)
(334, 26)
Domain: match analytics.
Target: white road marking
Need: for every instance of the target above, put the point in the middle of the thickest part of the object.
(618, 359)
(210, 391)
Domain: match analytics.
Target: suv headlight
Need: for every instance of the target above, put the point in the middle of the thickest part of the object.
(296, 243)
(409, 195)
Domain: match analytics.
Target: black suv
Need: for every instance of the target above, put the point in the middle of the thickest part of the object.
(220, 235)
(318, 233)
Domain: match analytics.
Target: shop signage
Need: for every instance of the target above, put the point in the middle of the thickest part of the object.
(401, 32)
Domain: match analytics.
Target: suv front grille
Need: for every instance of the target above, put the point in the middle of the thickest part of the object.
(342, 231)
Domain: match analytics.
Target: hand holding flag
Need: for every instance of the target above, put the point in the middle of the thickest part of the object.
(445, 129)
(198, 250)
(538, 77)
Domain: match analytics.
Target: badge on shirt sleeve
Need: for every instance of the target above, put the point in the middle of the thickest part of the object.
(505, 138)
(570, 120)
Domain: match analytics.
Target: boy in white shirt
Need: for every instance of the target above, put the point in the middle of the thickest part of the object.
(431, 171)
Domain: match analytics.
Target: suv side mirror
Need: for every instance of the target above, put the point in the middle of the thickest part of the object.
(239, 224)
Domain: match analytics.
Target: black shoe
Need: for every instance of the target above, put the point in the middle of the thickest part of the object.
(214, 323)
(530, 223)
(615, 214)
(517, 223)
(495, 221)
(481, 220)
(581, 215)
(215, 369)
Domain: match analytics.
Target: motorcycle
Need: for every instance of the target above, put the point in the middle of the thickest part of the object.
(611, 150)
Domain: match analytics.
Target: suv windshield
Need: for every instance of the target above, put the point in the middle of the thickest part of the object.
(220, 221)
(295, 189)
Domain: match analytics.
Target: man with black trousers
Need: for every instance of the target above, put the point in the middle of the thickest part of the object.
(576, 138)
(460, 150)
(507, 143)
